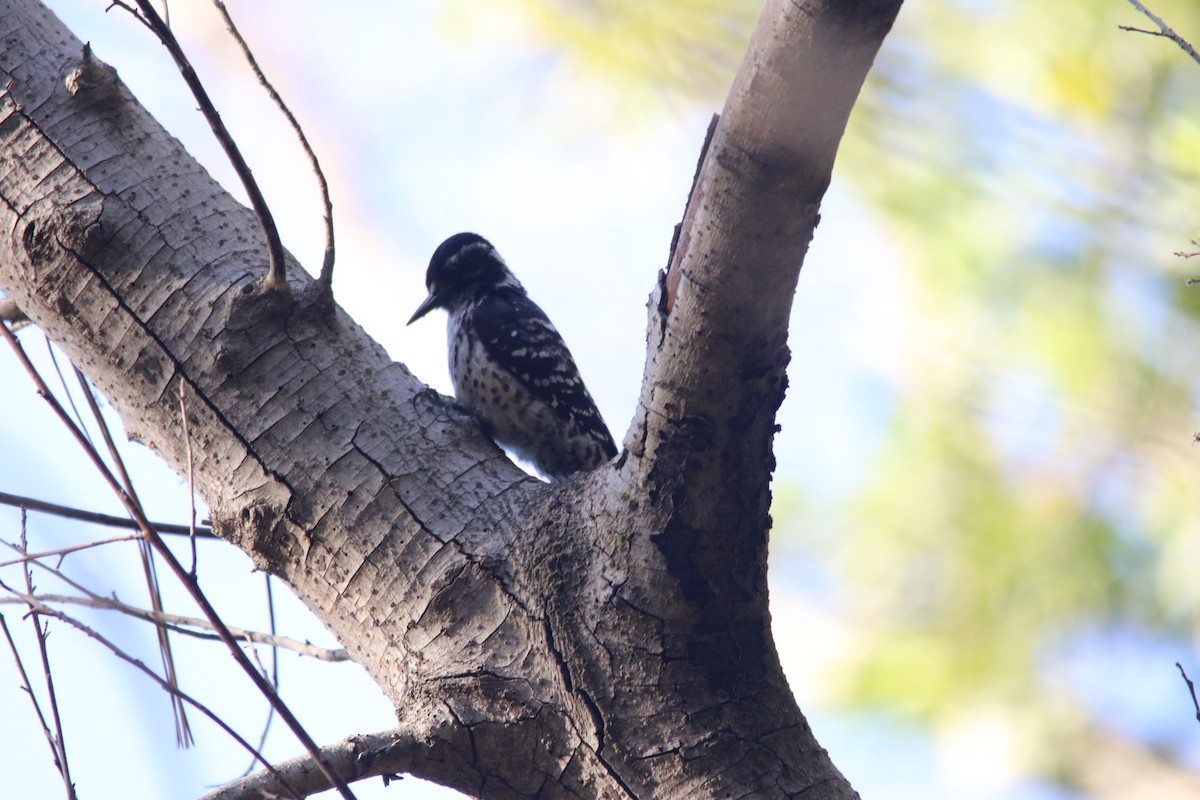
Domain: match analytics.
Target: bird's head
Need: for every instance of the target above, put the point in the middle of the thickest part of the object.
(464, 266)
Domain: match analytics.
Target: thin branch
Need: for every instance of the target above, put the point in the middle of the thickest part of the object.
(176, 622)
(27, 685)
(102, 424)
(387, 754)
(163, 619)
(133, 12)
(276, 276)
(192, 586)
(57, 573)
(262, 741)
(108, 520)
(62, 381)
(39, 607)
(40, 633)
(1191, 689)
(1186, 255)
(183, 731)
(1163, 30)
(326, 278)
(62, 552)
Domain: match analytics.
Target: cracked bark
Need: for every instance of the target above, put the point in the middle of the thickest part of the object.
(604, 638)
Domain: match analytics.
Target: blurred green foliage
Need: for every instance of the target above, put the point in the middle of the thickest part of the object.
(1035, 168)
(1036, 165)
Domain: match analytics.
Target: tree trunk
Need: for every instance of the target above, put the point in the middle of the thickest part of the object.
(608, 637)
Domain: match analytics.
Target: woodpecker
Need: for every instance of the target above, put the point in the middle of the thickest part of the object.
(509, 365)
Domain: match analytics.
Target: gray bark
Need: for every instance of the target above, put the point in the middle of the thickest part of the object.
(604, 638)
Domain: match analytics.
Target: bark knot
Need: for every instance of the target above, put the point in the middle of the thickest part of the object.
(92, 81)
(53, 228)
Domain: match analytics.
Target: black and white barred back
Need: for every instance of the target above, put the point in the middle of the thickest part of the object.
(509, 365)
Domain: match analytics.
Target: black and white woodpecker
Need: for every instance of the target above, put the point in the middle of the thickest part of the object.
(509, 365)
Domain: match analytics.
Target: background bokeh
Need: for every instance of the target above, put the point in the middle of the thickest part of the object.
(983, 567)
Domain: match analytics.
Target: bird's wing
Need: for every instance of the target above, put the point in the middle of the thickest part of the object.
(515, 331)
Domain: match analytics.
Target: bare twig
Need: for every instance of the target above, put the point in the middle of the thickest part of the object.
(37, 707)
(276, 275)
(36, 606)
(28, 685)
(107, 520)
(187, 625)
(1191, 689)
(262, 741)
(192, 586)
(1186, 255)
(62, 381)
(61, 552)
(102, 424)
(40, 634)
(1163, 30)
(326, 278)
(183, 731)
(57, 573)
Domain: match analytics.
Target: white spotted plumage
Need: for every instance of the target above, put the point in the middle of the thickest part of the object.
(509, 365)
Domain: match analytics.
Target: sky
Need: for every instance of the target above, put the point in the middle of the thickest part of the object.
(425, 131)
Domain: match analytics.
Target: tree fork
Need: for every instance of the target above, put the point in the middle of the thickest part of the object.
(606, 638)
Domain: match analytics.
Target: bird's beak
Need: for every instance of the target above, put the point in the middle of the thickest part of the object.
(429, 304)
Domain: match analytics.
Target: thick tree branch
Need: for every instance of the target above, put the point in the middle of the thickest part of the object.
(718, 330)
(715, 370)
(145, 271)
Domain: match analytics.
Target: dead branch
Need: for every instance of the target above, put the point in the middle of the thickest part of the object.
(27, 685)
(38, 607)
(187, 625)
(276, 279)
(325, 281)
(1164, 30)
(57, 741)
(107, 520)
(188, 581)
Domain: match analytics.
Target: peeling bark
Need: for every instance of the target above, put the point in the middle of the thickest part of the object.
(604, 638)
